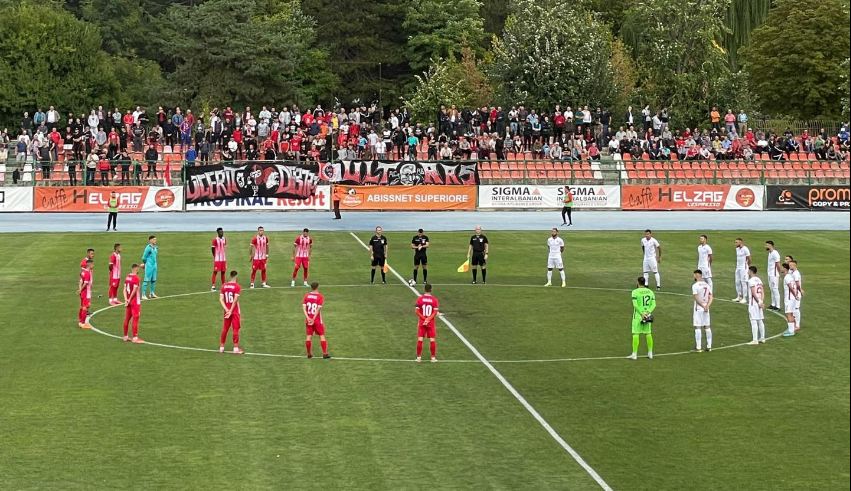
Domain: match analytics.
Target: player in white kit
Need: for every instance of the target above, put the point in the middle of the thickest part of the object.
(702, 294)
(796, 273)
(791, 296)
(652, 257)
(555, 244)
(756, 306)
(743, 261)
(704, 259)
(773, 273)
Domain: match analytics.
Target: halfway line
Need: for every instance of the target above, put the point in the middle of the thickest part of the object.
(535, 414)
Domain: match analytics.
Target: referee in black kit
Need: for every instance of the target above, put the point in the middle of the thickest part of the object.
(477, 253)
(420, 246)
(378, 254)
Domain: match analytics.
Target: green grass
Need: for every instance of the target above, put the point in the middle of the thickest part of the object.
(80, 410)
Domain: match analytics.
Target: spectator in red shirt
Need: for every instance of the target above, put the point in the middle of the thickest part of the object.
(104, 167)
(730, 121)
(237, 137)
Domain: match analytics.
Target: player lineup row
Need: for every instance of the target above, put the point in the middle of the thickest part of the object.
(749, 286)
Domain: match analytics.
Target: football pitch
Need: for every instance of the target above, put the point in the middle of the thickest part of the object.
(82, 409)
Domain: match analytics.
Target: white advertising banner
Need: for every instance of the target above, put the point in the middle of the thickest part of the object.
(531, 196)
(320, 201)
(745, 198)
(16, 199)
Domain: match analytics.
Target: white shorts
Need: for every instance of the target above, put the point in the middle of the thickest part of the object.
(755, 313)
(650, 265)
(741, 274)
(555, 262)
(790, 306)
(773, 282)
(707, 272)
(701, 318)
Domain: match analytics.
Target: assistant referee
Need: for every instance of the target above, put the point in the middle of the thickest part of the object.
(477, 254)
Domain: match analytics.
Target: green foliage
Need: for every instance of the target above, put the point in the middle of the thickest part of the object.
(493, 14)
(680, 64)
(564, 59)
(121, 23)
(51, 58)
(439, 28)
(795, 59)
(243, 52)
(624, 77)
(845, 87)
(743, 16)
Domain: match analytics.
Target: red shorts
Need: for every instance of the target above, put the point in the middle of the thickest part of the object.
(114, 282)
(232, 322)
(85, 302)
(426, 331)
(302, 262)
(259, 264)
(316, 328)
(220, 266)
(134, 310)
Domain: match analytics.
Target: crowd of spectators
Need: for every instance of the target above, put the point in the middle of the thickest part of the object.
(105, 142)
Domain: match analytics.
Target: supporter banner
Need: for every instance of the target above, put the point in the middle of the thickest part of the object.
(249, 180)
(319, 201)
(692, 197)
(830, 198)
(16, 199)
(410, 198)
(531, 196)
(400, 173)
(95, 199)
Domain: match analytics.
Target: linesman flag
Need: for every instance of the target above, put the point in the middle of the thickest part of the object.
(464, 267)
(386, 268)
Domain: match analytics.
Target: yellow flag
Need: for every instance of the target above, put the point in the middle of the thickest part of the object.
(386, 268)
(464, 267)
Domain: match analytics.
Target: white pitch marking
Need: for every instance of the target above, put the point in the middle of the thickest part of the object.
(534, 412)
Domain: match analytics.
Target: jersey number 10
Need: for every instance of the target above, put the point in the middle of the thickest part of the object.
(427, 310)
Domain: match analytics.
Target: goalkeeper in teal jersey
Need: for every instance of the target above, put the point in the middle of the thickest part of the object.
(149, 259)
(643, 305)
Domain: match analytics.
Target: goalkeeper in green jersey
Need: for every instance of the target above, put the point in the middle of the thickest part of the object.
(643, 305)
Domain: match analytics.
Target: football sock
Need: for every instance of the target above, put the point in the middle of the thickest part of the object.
(739, 292)
(153, 286)
(236, 337)
(126, 324)
(698, 338)
(419, 348)
(263, 275)
(775, 297)
(635, 343)
(222, 276)
(304, 273)
(797, 315)
(649, 338)
(253, 274)
(754, 330)
(308, 345)
(761, 325)
(144, 287)
(372, 275)
(432, 346)
(224, 336)
(790, 327)
(135, 328)
(383, 276)
(415, 274)
(561, 272)
(484, 275)
(295, 272)
(549, 276)
(709, 282)
(475, 272)
(658, 279)
(425, 274)
(646, 278)
(81, 316)
(324, 345)
(708, 332)
(213, 279)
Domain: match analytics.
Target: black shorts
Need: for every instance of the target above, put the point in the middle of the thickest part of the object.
(378, 261)
(478, 259)
(420, 259)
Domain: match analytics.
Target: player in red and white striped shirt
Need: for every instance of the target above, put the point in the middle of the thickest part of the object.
(84, 289)
(302, 247)
(259, 256)
(219, 249)
(114, 274)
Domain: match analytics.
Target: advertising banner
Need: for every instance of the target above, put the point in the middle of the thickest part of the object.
(96, 199)
(319, 201)
(16, 199)
(829, 198)
(400, 173)
(410, 198)
(692, 197)
(250, 180)
(530, 196)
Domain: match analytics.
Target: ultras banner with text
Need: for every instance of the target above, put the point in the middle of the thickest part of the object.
(321, 200)
(250, 180)
(96, 199)
(410, 198)
(530, 196)
(692, 197)
(400, 173)
(830, 198)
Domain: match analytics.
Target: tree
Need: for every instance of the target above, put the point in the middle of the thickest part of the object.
(439, 28)
(564, 59)
(242, 52)
(743, 16)
(795, 59)
(51, 58)
(680, 64)
(493, 14)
